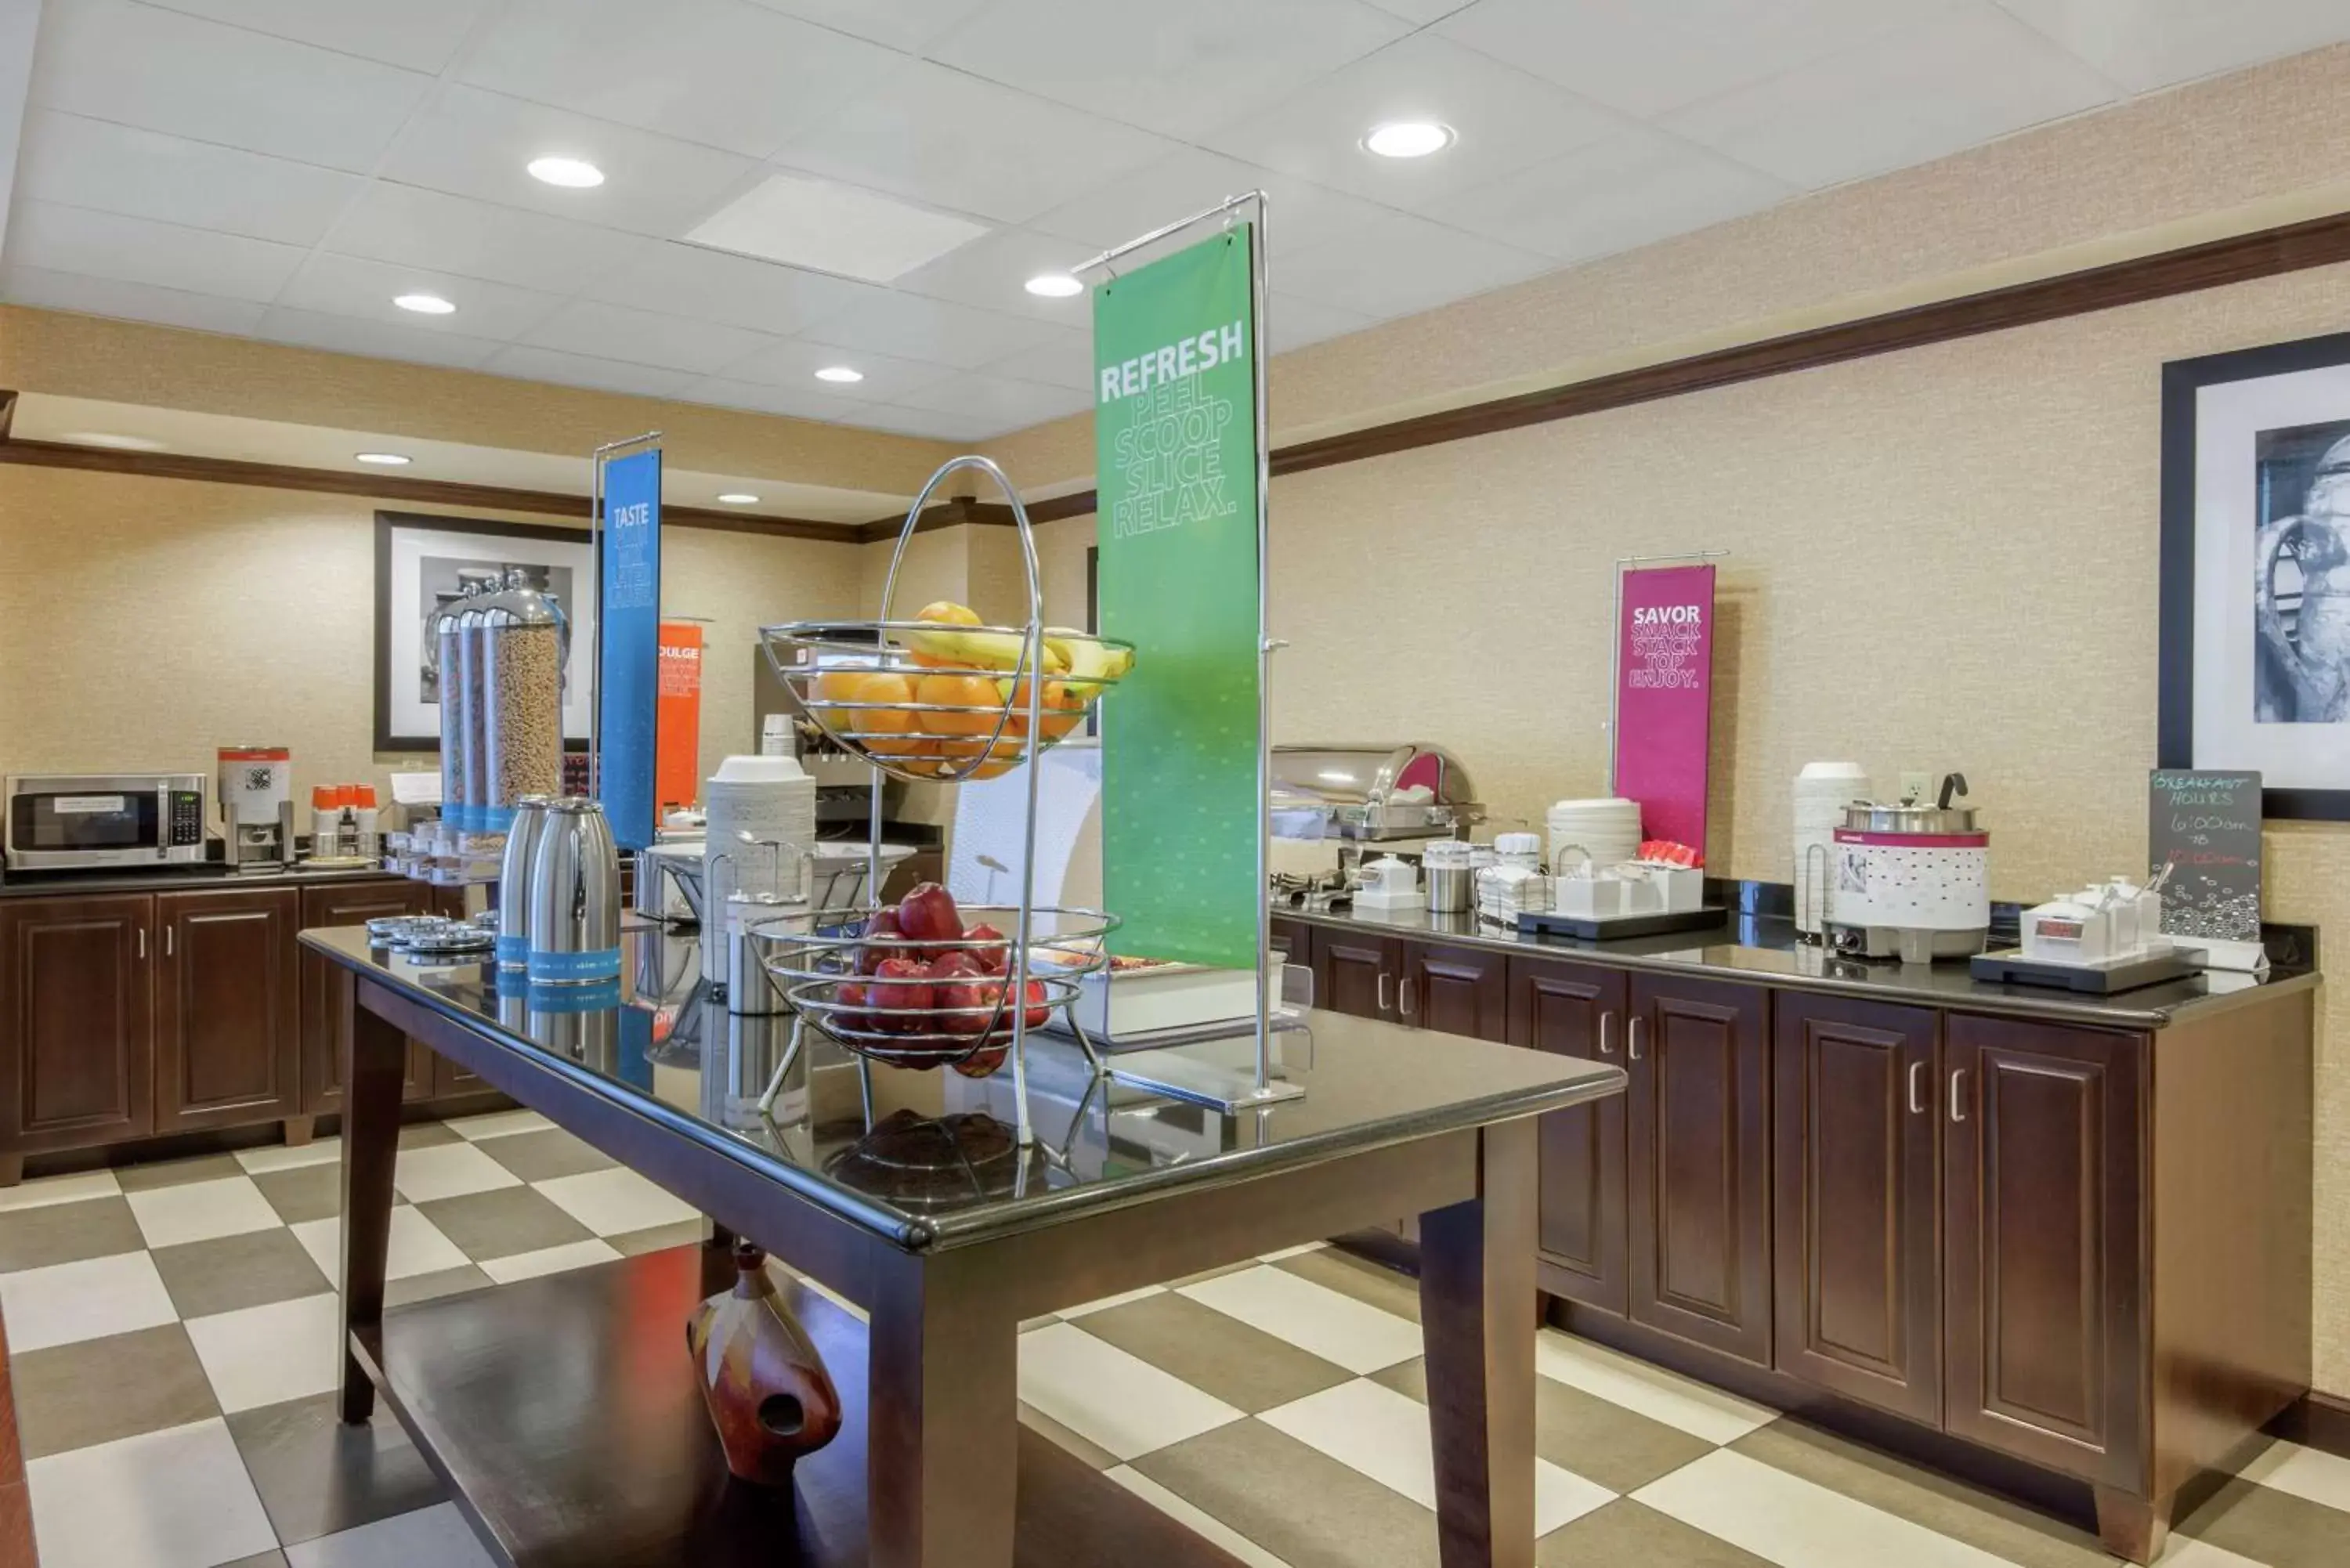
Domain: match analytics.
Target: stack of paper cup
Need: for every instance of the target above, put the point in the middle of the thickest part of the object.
(1822, 791)
(1606, 829)
(770, 798)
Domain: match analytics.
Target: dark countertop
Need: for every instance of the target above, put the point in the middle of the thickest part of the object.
(168, 880)
(1769, 952)
(939, 1167)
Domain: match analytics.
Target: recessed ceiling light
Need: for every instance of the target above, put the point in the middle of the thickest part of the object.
(739, 498)
(1054, 285)
(839, 373)
(423, 304)
(381, 459)
(115, 443)
(1407, 139)
(571, 173)
(824, 227)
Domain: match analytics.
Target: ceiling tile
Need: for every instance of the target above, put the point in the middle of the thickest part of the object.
(794, 365)
(929, 422)
(992, 272)
(971, 146)
(912, 327)
(348, 286)
(1422, 11)
(1299, 212)
(1297, 321)
(1066, 360)
(793, 402)
(901, 24)
(135, 250)
(1964, 75)
(2149, 44)
(471, 142)
(1181, 70)
(644, 338)
(534, 364)
(1011, 405)
(1506, 121)
(1406, 265)
(1646, 59)
(416, 227)
(146, 174)
(422, 35)
(723, 72)
(712, 286)
(163, 71)
(1613, 195)
(375, 339)
(49, 290)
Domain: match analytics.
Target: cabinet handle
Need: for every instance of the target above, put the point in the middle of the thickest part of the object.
(1405, 999)
(1917, 1088)
(1632, 1037)
(166, 940)
(142, 941)
(1607, 1032)
(1383, 991)
(1957, 1102)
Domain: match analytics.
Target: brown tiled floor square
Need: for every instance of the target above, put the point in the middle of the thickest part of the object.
(1247, 1368)
(1625, 1532)
(305, 1193)
(1301, 1505)
(2271, 1527)
(147, 1176)
(234, 1272)
(67, 1233)
(544, 1155)
(1365, 1282)
(1621, 1449)
(318, 1476)
(503, 1222)
(428, 1135)
(74, 1395)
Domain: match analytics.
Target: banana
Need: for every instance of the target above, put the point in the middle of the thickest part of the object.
(964, 647)
(1090, 661)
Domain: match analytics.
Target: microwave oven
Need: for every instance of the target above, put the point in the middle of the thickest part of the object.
(104, 822)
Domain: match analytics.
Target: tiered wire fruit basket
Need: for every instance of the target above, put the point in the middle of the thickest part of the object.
(941, 698)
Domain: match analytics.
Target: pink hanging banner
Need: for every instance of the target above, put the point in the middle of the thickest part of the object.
(1664, 691)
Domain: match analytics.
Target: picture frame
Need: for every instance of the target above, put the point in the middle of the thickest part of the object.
(423, 561)
(2255, 601)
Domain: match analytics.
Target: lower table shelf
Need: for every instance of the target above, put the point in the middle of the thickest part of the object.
(563, 1416)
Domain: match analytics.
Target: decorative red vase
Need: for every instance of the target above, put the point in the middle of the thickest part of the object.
(768, 1392)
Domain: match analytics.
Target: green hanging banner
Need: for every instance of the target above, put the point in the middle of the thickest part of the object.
(1176, 468)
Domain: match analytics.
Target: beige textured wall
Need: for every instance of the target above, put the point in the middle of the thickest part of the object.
(144, 622)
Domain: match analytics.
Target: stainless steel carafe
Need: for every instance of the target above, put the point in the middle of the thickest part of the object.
(514, 884)
(574, 898)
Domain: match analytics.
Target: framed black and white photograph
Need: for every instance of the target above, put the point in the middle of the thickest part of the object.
(425, 563)
(2256, 596)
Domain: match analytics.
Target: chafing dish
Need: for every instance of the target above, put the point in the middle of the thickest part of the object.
(1371, 793)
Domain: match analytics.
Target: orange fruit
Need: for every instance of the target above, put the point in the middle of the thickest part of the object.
(949, 612)
(880, 714)
(970, 692)
(1063, 711)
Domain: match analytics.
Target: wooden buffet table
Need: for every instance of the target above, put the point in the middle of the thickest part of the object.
(563, 1414)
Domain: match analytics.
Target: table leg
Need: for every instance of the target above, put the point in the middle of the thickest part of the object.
(375, 1066)
(942, 1415)
(1476, 1283)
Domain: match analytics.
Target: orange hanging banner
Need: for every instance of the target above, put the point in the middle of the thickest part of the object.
(677, 772)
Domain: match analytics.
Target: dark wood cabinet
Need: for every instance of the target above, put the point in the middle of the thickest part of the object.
(1697, 1124)
(76, 1024)
(1855, 1119)
(1292, 941)
(2042, 1181)
(323, 985)
(1454, 989)
(1357, 974)
(227, 1014)
(1577, 1010)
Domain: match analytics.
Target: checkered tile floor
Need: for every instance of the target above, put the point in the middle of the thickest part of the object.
(171, 1330)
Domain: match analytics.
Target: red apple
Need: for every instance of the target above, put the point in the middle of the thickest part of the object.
(880, 923)
(901, 987)
(963, 997)
(956, 963)
(929, 915)
(992, 960)
(1039, 1009)
(982, 1062)
(854, 997)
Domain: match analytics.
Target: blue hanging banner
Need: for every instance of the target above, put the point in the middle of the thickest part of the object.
(629, 673)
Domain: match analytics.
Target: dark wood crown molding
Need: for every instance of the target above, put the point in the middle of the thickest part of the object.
(392, 487)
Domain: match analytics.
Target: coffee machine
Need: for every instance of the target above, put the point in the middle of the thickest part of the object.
(256, 803)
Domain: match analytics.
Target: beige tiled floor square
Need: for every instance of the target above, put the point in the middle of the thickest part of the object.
(70, 1301)
(199, 1210)
(174, 1499)
(616, 1201)
(448, 1170)
(269, 1354)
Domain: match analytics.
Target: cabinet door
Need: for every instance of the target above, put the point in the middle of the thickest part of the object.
(76, 1022)
(323, 985)
(1858, 1308)
(1292, 941)
(2044, 1320)
(1698, 1120)
(1455, 990)
(1356, 974)
(227, 1015)
(1577, 1010)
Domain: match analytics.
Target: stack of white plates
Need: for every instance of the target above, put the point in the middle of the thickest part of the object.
(1608, 830)
(1822, 791)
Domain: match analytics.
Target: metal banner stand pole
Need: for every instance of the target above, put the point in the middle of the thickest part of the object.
(1616, 637)
(1265, 1089)
(600, 456)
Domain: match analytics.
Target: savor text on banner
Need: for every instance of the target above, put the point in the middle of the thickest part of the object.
(1664, 695)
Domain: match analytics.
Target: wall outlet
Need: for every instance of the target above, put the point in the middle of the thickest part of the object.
(1917, 785)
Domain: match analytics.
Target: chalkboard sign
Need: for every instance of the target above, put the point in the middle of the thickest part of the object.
(2207, 825)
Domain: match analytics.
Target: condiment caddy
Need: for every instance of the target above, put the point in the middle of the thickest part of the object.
(2104, 939)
